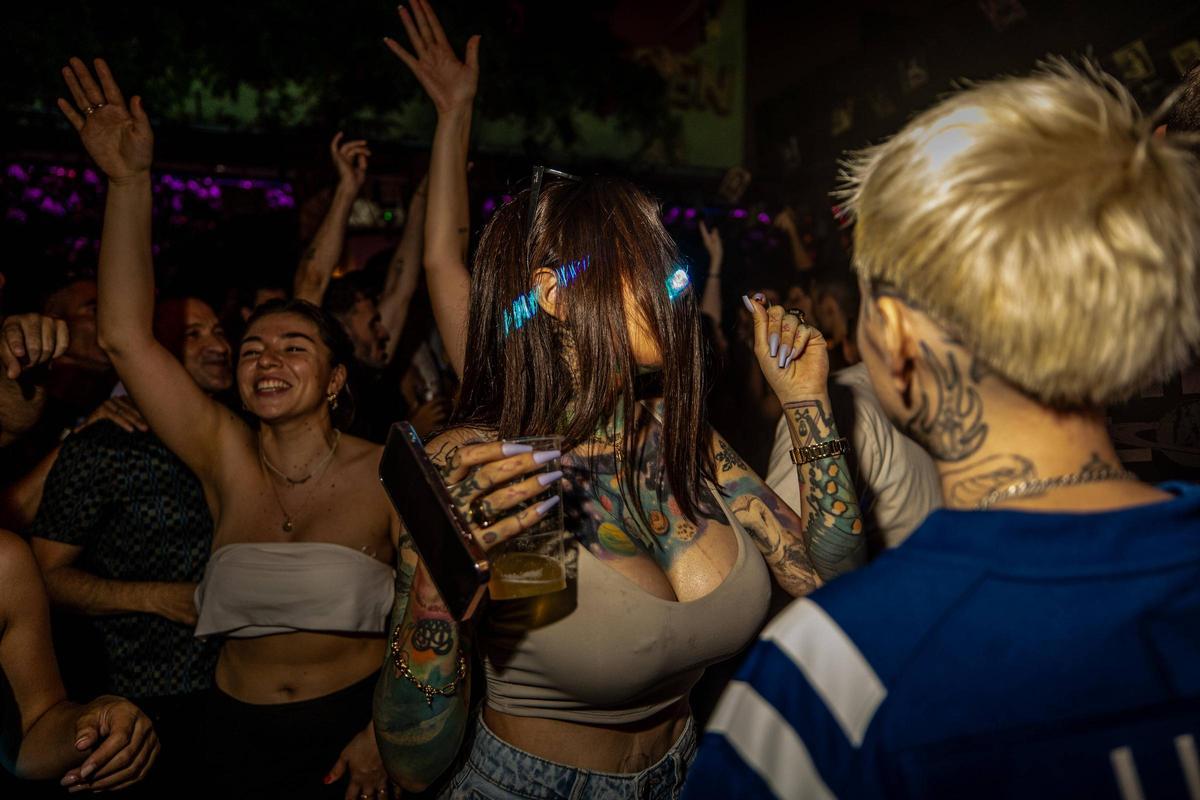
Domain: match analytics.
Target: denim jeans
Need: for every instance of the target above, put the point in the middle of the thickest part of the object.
(495, 770)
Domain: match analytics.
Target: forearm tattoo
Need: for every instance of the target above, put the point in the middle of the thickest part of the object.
(418, 740)
(831, 517)
(949, 420)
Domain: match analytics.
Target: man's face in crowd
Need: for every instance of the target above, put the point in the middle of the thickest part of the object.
(370, 338)
(190, 330)
(75, 303)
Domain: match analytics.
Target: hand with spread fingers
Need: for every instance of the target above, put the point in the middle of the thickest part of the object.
(486, 480)
(125, 746)
(790, 352)
(117, 137)
(29, 340)
(449, 82)
(350, 159)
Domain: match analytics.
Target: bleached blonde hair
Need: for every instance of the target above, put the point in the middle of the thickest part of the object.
(1040, 221)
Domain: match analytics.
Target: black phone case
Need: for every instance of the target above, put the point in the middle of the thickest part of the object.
(454, 560)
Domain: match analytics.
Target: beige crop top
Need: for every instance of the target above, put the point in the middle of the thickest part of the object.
(620, 654)
(260, 588)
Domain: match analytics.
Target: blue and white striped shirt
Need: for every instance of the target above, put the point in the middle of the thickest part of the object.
(997, 654)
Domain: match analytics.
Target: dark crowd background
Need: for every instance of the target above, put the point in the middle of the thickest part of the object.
(244, 98)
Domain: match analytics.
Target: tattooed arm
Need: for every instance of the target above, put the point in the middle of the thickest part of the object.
(831, 517)
(794, 360)
(404, 270)
(771, 523)
(317, 264)
(418, 737)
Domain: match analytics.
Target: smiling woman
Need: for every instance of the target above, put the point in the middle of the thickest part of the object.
(301, 523)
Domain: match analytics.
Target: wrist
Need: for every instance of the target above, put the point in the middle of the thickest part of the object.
(805, 397)
(139, 178)
(457, 112)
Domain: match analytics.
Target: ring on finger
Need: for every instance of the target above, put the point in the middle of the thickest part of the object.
(89, 110)
(477, 516)
(795, 312)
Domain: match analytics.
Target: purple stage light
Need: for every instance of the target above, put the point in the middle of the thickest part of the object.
(738, 213)
(764, 218)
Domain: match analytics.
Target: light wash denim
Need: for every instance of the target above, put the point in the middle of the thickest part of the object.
(495, 770)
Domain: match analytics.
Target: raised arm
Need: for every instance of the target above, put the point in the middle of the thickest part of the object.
(404, 269)
(793, 358)
(710, 302)
(450, 84)
(119, 138)
(318, 261)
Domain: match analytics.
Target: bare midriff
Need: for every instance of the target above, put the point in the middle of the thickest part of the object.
(290, 667)
(626, 748)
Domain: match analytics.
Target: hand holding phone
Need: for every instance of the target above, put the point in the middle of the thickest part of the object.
(487, 479)
(455, 512)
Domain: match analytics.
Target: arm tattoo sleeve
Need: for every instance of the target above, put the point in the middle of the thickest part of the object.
(418, 741)
(830, 514)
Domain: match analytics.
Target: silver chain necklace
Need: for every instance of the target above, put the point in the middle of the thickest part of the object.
(1034, 487)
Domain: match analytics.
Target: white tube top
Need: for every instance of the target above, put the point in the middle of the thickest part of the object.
(261, 588)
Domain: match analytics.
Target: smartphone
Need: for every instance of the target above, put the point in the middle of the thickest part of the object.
(454, 560)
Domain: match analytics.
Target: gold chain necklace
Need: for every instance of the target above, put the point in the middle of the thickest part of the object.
(337, 437)
(288, 526)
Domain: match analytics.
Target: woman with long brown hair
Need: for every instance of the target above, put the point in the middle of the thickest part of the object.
(582, 324)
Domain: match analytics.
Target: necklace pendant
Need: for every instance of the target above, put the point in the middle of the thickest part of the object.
(287, 525)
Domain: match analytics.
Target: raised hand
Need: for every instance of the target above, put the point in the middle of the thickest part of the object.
(350, 158)
(117, 137)
(449, 82)
(712, 243)
(791, 353)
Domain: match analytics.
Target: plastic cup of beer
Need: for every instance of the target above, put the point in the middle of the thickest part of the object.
(534, 561)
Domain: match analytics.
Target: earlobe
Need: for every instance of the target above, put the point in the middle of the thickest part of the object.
(545, 288)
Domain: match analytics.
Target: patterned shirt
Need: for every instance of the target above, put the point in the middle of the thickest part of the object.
(140, 515)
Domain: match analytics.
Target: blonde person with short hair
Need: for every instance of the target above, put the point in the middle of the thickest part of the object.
(1027, 254)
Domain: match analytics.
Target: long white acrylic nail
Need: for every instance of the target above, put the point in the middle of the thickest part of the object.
(514, 449)
(545, 455)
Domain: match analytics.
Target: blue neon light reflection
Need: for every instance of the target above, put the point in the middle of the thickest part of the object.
(678, 283)
(523, 309)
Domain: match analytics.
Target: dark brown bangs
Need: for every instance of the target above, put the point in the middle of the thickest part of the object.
(601, 235)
